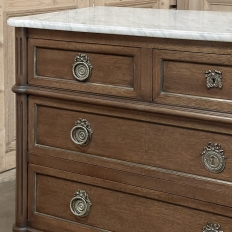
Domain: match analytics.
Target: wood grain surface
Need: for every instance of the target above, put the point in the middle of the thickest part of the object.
(116, 71)
(160, 4)
(176, 188)
(11, 8)
(21, 135)
(144, 160)
(179, 79)
(206, 5)
(112, 209)
(14, 5)
(124, 139)
(195, 46)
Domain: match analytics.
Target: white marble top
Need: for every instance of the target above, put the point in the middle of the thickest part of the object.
(194, 25)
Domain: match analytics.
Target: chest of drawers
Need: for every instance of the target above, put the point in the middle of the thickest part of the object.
(122, 133)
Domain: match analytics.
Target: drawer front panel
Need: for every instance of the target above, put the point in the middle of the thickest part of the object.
(153, 144)
(182, 79)
(212, 196)
(189, 79)
(105, 69)
(51, 192)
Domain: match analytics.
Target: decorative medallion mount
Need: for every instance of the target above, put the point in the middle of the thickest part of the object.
(213, 158)
(80, 204)
(81, 133)
(210, 227)
(82, 68)
(213, 79)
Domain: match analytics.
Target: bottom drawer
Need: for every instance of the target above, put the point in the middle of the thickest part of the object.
(108, 207)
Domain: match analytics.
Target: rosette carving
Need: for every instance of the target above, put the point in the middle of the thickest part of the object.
(80, 204)
(81, 133)
(82, 68)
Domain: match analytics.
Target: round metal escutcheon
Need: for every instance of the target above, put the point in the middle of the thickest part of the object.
(213, 162)
(79, 207)
(81, 71)
(80, 135)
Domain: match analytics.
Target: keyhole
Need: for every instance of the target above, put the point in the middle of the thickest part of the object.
(214, 80)
(212, 160)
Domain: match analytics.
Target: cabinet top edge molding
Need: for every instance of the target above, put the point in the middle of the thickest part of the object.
(173, 24)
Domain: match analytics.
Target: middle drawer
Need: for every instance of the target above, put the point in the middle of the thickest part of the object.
(55, 126)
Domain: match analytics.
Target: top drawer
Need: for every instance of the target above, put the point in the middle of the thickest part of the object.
(93, 68)
(194, 80)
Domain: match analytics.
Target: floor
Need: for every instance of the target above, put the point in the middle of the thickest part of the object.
(7, 200)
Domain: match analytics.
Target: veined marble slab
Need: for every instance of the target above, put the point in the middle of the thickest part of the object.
(193, 25)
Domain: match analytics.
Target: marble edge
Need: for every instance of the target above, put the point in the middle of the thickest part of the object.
(147, 32)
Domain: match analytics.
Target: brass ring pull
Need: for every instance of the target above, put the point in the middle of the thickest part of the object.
(210, 227)
(82, 68)
(213, 79)
(80, 204)
(81, 133)
(213, 158)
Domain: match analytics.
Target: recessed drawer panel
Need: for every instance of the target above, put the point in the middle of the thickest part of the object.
(94, 68)
(80, 203)
(84, 129)
(193, 80)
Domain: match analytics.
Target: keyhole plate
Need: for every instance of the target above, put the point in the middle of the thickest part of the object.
(213, 158)
(213, 79)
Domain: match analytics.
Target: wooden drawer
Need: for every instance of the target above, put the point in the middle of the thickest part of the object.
(113, 207)
(110, 70)
(180, 79)
(176, 188)
(173, 147)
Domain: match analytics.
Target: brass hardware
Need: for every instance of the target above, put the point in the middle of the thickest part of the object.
(80, 204)
(82, 68)
(213, 158)
(210, 227)
(81, 133)
(213, 79)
